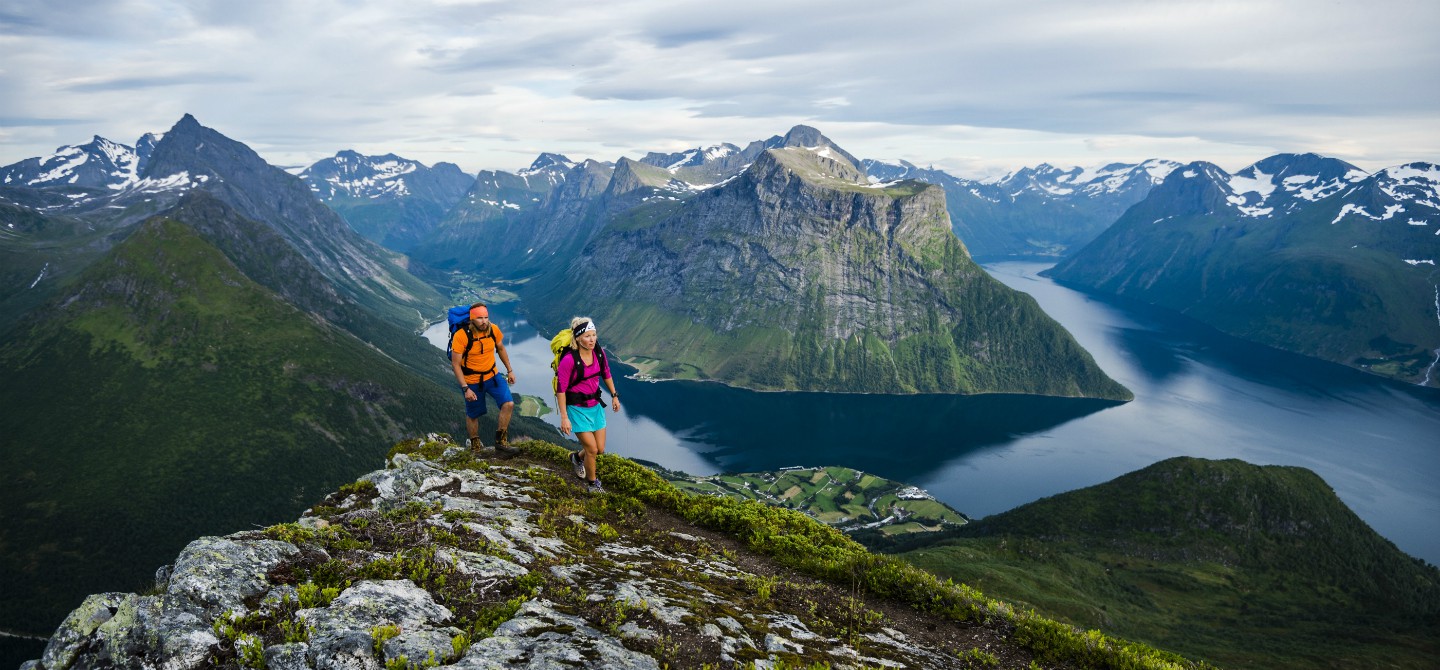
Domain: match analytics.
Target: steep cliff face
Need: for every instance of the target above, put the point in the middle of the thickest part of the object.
(1041, 212)
(797, 274)
(237, 175)
(504, 241)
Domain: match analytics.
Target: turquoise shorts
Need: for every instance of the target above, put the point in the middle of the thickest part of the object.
(586, 419)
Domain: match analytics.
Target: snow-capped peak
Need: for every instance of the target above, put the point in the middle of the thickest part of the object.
(548, 162)
(99, 164)
(1414, 182)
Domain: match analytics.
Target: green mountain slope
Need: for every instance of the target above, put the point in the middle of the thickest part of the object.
(1347, 276)
(1243, 565)
(799, 275)
(265, 257)
(38, 253)
(165, 394)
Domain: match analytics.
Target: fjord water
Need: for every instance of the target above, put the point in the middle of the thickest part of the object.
(1197, 393)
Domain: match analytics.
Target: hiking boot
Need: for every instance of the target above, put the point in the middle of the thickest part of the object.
(594, 486)
(578, 463)
(475, 445)
(502, 445)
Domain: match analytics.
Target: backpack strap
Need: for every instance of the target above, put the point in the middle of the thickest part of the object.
(465, 355)
(577, 375)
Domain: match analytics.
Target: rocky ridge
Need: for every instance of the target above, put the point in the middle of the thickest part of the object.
(444, 560)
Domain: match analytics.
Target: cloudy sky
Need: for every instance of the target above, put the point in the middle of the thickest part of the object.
(974, 87)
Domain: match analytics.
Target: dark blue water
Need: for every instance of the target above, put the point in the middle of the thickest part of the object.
(1198, 393)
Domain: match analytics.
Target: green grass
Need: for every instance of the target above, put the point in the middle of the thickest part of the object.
(835, 496)
(799, 542)
(1241, 565)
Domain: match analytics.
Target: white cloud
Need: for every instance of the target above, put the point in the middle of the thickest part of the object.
(977, 87)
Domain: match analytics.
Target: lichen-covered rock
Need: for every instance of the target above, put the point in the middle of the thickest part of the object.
(172, 639)
(343, 649)
(78, 628)
(483, 565)
(405, 479)
(125, 630)
(422, 646)
(292, 656)
(216, 574)
(369, 604)
(540, 637)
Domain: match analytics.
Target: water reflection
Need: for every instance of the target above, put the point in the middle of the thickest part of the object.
(705, 428)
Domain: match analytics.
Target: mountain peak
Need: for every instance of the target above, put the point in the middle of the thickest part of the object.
(804, 136)
(549, 160)
(186, 122)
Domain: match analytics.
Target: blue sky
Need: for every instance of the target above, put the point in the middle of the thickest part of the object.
(976, 88)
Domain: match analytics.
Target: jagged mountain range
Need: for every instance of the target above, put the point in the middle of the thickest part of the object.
(138, 183)
(1300, 252)
(100, 164)
(509, 224)
(430, 211)
(390, 200)
(1043, 212)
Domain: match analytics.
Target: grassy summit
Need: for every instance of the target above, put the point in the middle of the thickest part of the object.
(1247, 566)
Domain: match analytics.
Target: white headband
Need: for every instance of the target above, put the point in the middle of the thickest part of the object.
(589, 326)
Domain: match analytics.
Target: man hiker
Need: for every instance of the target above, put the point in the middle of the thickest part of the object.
(473, 349)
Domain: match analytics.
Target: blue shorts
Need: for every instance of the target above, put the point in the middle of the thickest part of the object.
(586, 419)
(496, 388)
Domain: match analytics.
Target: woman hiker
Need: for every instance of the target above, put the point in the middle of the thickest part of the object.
(578, 397)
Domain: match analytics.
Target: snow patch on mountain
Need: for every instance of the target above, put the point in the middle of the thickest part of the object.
(1309, 187)
(60, 166)
(40, 276)
(180, 181)
(1352, 208)
(1419, 182)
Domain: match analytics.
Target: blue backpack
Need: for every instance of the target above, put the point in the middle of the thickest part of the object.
(458, 318)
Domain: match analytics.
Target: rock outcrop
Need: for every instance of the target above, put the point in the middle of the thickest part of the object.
(412, 562)
(445, 560)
